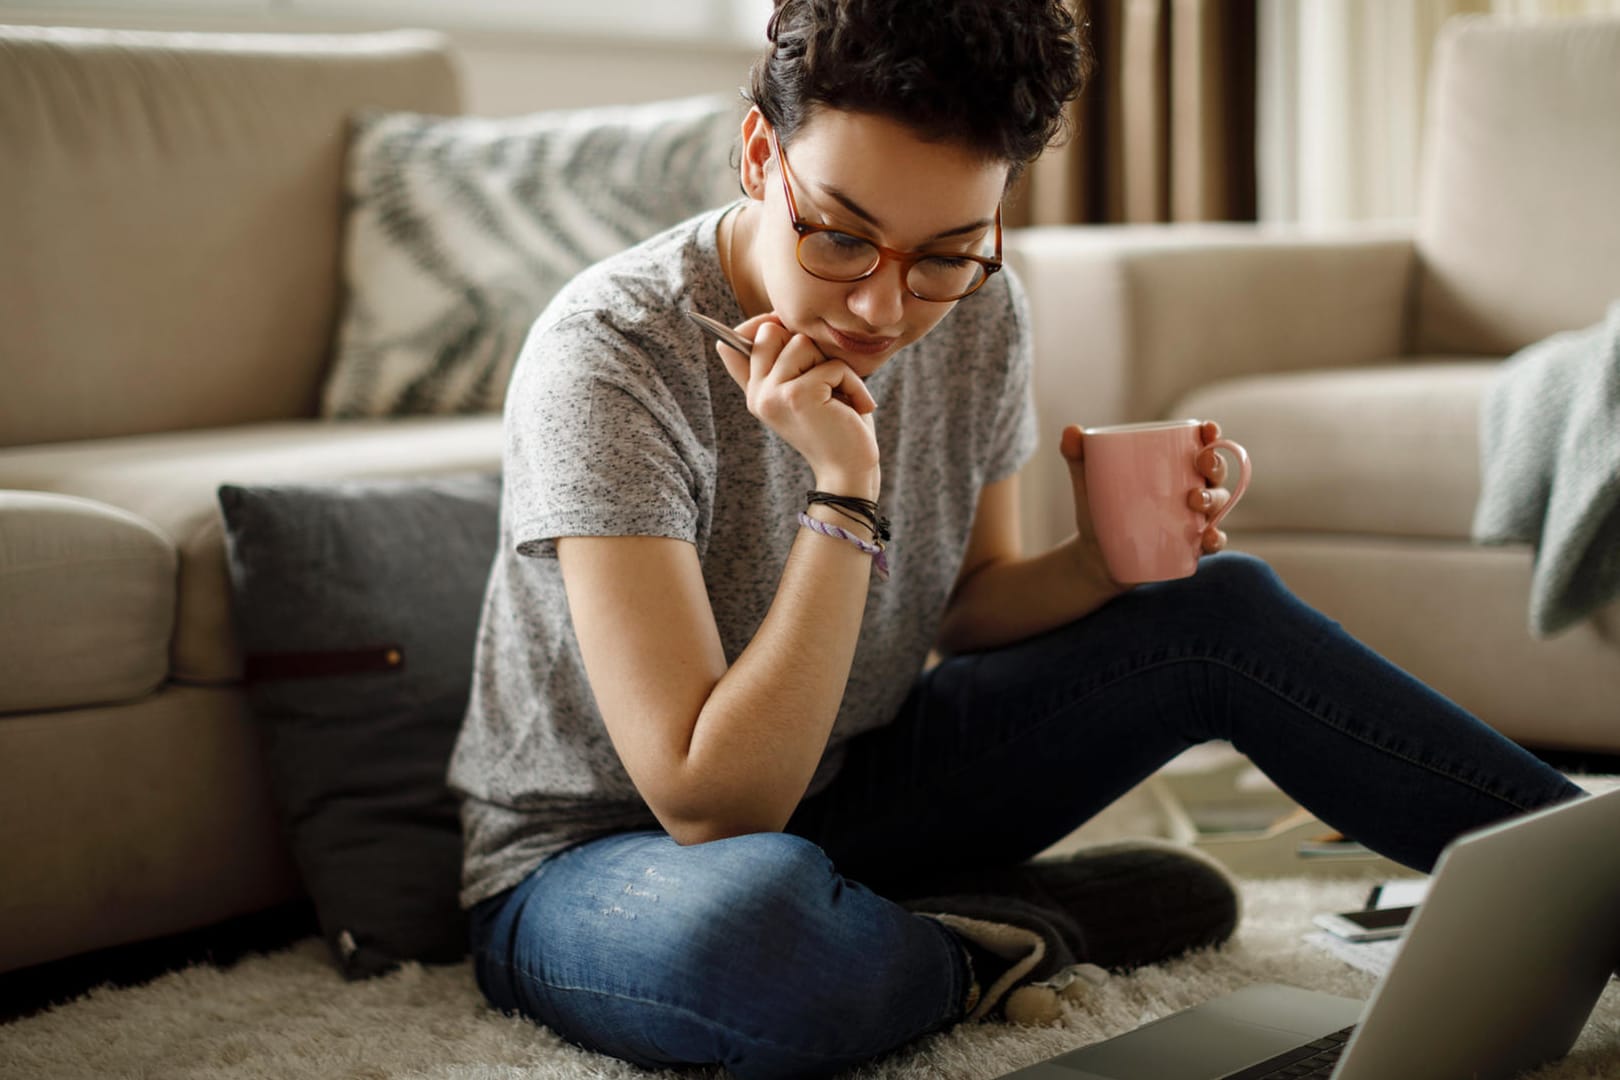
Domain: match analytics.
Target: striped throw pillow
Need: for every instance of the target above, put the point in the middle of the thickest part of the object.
(459, 230)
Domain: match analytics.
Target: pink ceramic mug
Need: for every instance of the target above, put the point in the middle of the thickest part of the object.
(1138, 477)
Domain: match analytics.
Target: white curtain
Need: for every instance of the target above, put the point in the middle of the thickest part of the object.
(1341, 99)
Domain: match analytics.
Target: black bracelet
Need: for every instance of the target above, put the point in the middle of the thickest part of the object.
(855, 508)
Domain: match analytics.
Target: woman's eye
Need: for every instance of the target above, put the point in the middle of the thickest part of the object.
(844, 240)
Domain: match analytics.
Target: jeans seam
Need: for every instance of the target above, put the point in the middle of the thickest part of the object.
(1136, 670)
(1429, 767)
(1341, 729)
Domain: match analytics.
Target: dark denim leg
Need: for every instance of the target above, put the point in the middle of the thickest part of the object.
(998, 754)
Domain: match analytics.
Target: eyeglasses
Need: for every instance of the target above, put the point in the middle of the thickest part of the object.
(838, 255)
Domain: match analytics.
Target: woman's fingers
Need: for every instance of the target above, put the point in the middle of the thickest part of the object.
(834, 378)
(769, 338)
(1072, 444)
(782, 358)
(1212, 499)
(778, 356)
(849, 388)
(736, 364)
(1210, 462)
(1208, 500)
(796, 357)
(739, 365)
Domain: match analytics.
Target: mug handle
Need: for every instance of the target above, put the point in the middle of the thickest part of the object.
(1244, 472)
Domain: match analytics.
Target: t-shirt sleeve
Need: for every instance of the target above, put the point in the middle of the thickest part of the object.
(1015, 435)
(594, 442)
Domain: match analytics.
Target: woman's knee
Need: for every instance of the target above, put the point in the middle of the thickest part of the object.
(1236, 572)
(724, 905)
(761, 934)
(758, 880)
(1238, 589)
(846, 972)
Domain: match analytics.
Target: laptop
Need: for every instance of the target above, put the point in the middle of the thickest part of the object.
(1498, 972)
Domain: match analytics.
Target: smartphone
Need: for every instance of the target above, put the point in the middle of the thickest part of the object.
(1373, 924)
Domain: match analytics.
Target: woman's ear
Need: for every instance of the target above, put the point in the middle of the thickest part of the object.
(756, 153)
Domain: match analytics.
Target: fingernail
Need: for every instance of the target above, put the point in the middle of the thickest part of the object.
(1207, 499)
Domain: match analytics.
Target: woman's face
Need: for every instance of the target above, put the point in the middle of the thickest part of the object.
(873, 177)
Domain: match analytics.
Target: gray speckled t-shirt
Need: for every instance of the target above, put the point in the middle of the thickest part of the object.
(622, 420)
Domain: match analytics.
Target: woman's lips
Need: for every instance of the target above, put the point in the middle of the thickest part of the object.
(858, 344)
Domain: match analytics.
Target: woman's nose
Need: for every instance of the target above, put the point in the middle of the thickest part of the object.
(880, 299)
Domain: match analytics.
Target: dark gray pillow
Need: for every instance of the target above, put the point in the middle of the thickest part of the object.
(357, 605)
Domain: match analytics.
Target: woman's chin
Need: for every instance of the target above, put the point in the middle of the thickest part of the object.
(864, 367)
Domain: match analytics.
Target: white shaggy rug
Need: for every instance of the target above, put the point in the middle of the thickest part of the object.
(289, 1015)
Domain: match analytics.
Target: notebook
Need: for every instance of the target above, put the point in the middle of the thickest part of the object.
(1497, 973)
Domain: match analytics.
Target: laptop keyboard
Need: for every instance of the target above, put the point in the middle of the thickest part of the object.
(1314, 1059)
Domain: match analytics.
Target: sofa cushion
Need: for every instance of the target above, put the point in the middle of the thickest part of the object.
(171, 481)
(461, 229)
(170, 210)
(1388, 450)
(1452, 613)
(357, 605)
(1518, 233)
(88, 595)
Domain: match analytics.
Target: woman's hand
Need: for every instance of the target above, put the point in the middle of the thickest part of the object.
(818, 406)
(1207, 500)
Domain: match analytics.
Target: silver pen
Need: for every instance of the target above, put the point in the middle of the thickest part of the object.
(721, 332)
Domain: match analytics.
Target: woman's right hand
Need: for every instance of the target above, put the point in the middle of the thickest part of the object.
(820, 407)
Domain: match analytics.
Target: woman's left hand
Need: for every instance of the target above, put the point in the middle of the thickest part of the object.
(1209, 499)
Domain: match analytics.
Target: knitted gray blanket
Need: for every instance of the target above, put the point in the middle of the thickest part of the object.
(1550, 457)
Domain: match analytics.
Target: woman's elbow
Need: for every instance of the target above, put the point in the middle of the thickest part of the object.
(688, 834)
(714, 823)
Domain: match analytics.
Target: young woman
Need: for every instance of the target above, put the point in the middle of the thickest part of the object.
(703, 759)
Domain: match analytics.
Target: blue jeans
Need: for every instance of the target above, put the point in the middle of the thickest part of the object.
(778, 954)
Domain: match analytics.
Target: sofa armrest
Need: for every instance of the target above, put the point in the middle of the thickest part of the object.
(1128, 319)
(88, 592)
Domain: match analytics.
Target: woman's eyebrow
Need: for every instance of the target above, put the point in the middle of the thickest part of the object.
(855, 208)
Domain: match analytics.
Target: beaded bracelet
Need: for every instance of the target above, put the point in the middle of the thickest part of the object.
(880, 556)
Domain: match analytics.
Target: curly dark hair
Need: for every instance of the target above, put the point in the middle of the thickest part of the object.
(996, 75)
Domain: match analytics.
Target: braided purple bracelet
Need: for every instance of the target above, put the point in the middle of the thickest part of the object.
(880, 557)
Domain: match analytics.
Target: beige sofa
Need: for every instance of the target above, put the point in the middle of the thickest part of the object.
(170, 218)
(170, 213)
(1352, 367)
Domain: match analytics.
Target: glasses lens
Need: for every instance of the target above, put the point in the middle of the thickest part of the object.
(837, 256)
(944, 278)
